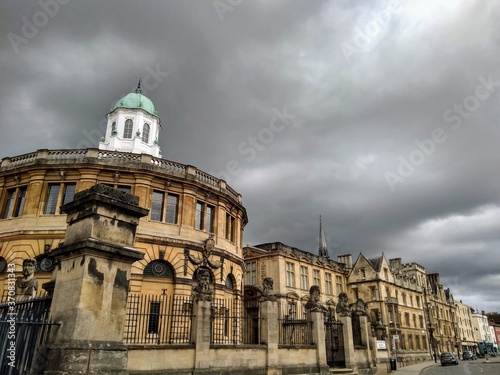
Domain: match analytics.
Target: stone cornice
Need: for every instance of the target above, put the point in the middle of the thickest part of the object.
(55, 159)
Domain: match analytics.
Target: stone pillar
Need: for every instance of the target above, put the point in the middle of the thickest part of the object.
(269, 334)
(366, 339)
(350, 359)
(201, 330)
(318, 332)
(91, 283)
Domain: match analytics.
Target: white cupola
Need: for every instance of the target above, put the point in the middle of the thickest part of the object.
(133, 126)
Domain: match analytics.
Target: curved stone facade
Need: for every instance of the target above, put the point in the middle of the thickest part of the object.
(195, 219)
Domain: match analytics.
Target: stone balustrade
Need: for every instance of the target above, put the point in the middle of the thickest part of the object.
(117, 158)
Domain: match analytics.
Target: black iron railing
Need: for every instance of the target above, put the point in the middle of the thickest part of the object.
(24, 333)
(231, 326)
(294, 326)
(158, 319)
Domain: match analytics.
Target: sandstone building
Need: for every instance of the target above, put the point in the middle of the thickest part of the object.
(188, 207)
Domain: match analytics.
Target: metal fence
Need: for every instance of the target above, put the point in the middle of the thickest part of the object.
(334, 334)
(231, 326)
(294, 326)
(158, 319)
(24, 333)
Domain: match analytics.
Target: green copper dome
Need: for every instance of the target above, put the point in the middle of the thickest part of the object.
(136, 100)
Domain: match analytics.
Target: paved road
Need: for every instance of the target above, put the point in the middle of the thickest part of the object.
(479, 367)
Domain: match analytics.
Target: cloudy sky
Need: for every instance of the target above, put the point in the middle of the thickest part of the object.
(380, 116)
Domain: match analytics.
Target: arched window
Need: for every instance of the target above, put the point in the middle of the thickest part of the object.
(159, 268)
(229, 282)
(145, 133)
(127, 131)
(113, 128)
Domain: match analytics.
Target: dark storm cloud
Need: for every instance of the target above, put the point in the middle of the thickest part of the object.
(365, 112)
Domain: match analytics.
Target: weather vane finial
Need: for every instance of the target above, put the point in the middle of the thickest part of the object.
(138, 89)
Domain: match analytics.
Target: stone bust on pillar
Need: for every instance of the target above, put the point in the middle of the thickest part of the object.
(202, 291)
(27, 284)
(343, 308)
(314, 300)
(267, 290)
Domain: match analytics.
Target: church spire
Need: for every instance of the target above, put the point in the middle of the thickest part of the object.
(323, 249)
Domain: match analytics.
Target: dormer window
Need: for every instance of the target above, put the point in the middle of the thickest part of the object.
(145, 133)
(127, 131)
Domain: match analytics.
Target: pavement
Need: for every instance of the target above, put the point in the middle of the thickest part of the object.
(416, 369)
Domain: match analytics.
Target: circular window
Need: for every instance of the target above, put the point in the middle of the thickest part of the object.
(159, 268)
(47, 264)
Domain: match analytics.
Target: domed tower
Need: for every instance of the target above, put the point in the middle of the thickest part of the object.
(133, 126)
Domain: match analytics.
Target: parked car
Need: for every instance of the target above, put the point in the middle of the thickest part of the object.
(448, 358)
(466, 356)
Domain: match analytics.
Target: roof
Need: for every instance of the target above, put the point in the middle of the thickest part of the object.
(135, 100)
(376, 263)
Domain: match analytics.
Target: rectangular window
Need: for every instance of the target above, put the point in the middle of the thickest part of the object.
(205, 215)
(209, 221)
(338, 281)
(157, 206)
(21, 197)
(14, 202)
(58, 195)
(363, 273)
(172, 208)
(52, 197)
(251, 273)
(154, 317)
(356, 294)
(69, 193)
(316, 278)
(230, 227)
(328, 283)
(9, 204)
(290, 275)
(200, 213)
(304, 278)
(373, 292)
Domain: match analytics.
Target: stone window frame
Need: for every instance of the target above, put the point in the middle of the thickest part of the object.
(62, 196)
(14, 202)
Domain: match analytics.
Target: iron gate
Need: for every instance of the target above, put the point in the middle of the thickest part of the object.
(334, 339)
(24, 334)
